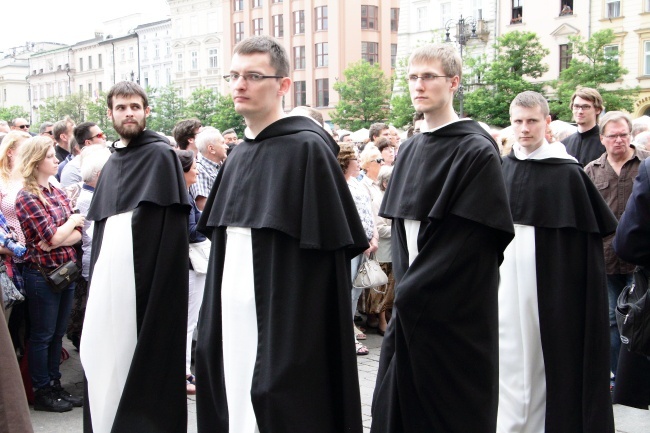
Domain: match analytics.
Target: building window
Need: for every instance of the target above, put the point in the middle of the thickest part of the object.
(122, 54)
(611, 52)
(320, 15)
(212, 57)
(299, 22)
(393, 56)
(369, 15)
(257, 3)
(99, 87)
(145, 79)
(99, 61)
(422, 18)
(179, 59)
(370, 52)
(299, 57)
(394, 19)
(646, 6)
(299, 93)
(517, 11)
(276, 1)
(613, 8)
(81, 90)
(322, 92)
(278, 26)
(257, 26)
(156, 50)
(81, 65)
(321, 54)
(565, 57)
(646, 58)
(168, 48)
(90, 62)
(239, 5)
(145, 53)
(239, 32)
(195, 60)
(168, 76)
(566, 7)
(445, 14)
(131, 57)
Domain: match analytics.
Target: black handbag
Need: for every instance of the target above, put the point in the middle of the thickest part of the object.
(60, 278)
(633, 313)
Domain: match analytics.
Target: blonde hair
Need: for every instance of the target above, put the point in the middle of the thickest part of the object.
(31, 153)
(9, 142)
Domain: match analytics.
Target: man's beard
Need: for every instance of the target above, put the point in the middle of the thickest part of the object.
(131, 131)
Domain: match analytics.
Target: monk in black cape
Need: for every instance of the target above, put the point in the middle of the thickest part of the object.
(275, 351)
(553, 309)
(451, 224)
(133, 341)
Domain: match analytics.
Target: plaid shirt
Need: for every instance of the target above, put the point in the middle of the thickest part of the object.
(40, 223)
(207, 174)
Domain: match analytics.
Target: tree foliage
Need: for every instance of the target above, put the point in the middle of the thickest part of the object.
(97, 111)
(401, 106)
(519, 58)
(591, 66)
(10, 113)
(364, 96)
(167, 108)
(56, 108)
(201, 104)
(226, 117)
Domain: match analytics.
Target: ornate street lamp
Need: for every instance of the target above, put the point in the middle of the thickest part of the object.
(465, 30)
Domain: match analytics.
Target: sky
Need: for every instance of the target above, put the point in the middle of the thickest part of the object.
(69, 21)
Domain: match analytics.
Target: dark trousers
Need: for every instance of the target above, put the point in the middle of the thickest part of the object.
(615, 285)
(48, 314)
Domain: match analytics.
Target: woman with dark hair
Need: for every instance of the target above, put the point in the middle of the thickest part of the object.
(349, 160)
(196, 279)
(50, 228)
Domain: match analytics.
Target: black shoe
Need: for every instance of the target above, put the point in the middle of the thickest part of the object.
(65, 395)
(48, 400)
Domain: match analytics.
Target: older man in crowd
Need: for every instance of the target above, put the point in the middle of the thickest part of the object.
(212, 153)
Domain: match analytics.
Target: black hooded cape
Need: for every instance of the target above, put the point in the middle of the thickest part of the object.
(570, 218)
(438, 370)
(287, 186)
(146, 177)
(585, 146)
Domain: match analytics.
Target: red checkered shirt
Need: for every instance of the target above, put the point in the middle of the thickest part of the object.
(40, 223)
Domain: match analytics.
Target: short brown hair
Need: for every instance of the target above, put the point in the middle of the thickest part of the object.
(446, 54)
(346, 153)
(590, 95)
(266, 45)
(126, 88)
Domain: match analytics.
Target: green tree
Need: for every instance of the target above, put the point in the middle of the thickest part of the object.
(518, 59)
(56, 108)
(201, 104)
(97, 111)
(226, 117)
(364, 96)
(401, 106)
(167, 109)
(592, 66)
(10, 113)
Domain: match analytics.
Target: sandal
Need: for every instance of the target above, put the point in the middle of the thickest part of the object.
(190, 384)
(359, 333)
(361, 349)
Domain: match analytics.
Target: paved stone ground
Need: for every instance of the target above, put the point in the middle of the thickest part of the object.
(628, 420)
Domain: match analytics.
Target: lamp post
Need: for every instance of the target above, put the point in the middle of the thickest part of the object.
(465, 30)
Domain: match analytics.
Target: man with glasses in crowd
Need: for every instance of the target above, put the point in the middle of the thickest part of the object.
(284, 228)
(46, 130)
(20, 124)
(614, 173)
(438, 369)
(584, 145)
(86, 134)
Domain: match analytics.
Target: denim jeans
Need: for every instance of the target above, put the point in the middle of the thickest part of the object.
(48, 314)
(615, 285)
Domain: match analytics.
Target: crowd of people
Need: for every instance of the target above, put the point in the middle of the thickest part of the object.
(501, 252)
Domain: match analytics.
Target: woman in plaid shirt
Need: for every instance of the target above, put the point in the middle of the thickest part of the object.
(50, 230)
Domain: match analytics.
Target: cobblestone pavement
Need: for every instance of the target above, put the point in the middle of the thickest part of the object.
(628, 420)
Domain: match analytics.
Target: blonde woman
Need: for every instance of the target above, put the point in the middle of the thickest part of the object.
(50, 230)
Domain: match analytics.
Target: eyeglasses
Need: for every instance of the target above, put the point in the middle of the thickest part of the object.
(379, 160)
(577, 107)
(254, 77)
(615, 136)
(48, 132)
(425, 77)
(100, 135)
(23, 126)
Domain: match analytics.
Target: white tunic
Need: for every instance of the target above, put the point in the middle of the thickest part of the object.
(239, 324)
(110, 325)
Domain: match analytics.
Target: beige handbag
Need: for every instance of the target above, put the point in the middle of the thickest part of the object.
(369, 274)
